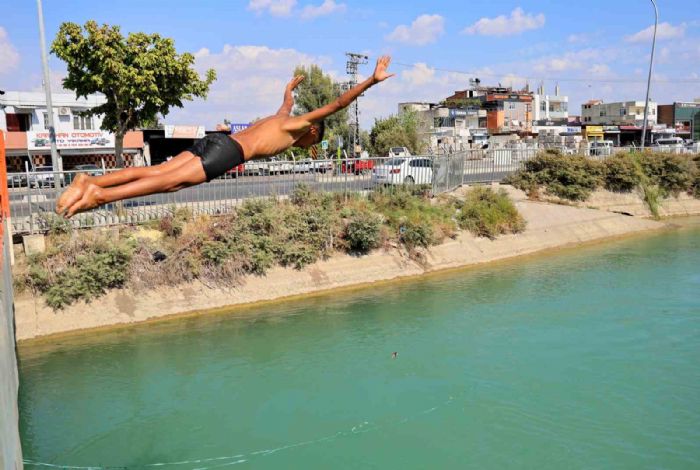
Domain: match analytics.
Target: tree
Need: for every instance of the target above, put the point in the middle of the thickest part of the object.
(141, 75)
(319, 89)
(396, 131)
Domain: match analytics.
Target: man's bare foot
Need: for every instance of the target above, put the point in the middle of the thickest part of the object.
(72, 194)
(92, 197)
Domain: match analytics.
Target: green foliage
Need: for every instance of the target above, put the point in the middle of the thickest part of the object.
(54, 224)
(73, 273)
(363, 232)
(673, 173)
(569, 177)
(318, 89)
(621, 174)
(261, 234)
(396, 131)
(141, 75)
(487, 213)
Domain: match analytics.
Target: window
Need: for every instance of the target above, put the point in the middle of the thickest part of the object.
(543, 106)
(46, 120)
(17, 122)
(622, 111)
(82, 123)
(511, 105)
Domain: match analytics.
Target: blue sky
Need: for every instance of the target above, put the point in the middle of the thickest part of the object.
(593, 49)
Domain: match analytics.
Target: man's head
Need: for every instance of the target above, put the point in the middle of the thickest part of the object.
(313, 136)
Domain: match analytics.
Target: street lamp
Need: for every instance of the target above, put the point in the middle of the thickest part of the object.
(55, 157)
(651, 65)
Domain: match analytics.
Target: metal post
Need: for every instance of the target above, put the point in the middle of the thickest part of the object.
(651, 65)
(55, 158)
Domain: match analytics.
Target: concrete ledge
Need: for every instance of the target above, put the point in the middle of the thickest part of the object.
(549, 226)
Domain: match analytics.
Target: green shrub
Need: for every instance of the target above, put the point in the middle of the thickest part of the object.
(54, 224)
(416, 233)
(363, 232)
(566, 176)
(487, 213)
(673, 173)
(620, 173)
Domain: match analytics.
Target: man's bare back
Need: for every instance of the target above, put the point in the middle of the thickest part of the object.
(212, 156)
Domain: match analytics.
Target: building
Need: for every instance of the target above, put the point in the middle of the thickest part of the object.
(550, 108)
(441, 126)
(624, 113)
(684, 117)
(79, 139)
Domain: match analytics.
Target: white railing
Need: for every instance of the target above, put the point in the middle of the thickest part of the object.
(32, 198)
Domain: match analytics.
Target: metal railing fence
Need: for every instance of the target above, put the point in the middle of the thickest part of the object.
(32, 199)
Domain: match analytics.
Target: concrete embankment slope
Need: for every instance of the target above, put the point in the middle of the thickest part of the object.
(10, 451)
(548, 226)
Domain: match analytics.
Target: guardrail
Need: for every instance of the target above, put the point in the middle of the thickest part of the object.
(32, 199)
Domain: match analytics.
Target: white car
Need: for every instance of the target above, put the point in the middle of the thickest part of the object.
(601, 147)
(399, 152)
(303, 166)
(670, 144)
(404, 170)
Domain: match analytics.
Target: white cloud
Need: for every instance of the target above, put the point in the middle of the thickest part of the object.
(664, 31)
(420, 74)
(250, 83)
(9, 57)
(578, 38)
(424, 30)
(273, 7)
(502, 25)
(328, 7)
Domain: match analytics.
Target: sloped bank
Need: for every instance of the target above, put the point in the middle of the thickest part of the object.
(548, 226)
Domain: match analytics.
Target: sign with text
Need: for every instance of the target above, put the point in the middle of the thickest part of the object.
(238, 127)
(39, 140)
(184, 132)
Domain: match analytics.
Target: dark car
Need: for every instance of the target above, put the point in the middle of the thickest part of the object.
(15, 180)
(90, 170)
(42, 177)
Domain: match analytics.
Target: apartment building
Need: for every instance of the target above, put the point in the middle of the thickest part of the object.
(684, 117)
(24, 116)
(550, 108)
(623, 113)
(443, 127)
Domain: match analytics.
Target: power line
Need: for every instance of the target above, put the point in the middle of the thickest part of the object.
(556, 79)
(351, 69)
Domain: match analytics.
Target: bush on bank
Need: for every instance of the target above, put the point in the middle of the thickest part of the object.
(262, 233)
(574, 177)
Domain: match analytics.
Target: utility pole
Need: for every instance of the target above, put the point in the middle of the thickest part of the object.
(351, 69)
(651, 65)
(55, 157)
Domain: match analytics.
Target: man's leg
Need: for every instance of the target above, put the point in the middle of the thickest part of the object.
(187, 174)
(128, 175)
(75, 191)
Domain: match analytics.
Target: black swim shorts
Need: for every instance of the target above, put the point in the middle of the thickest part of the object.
(219, 153)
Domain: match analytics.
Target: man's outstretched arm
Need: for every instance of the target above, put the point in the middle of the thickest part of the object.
(380, 74)
(288, 102)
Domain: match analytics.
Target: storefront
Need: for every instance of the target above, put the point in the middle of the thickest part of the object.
(593, 133)
(32, 148)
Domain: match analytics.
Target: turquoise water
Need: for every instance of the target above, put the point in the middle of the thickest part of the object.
(585, 358)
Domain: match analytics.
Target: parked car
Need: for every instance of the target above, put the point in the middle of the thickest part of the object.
(601, 147)
(399, 152)
(41, 177)
(276, 166)
(302, 166)
(404, 170)
(670, 144)
(237, 171)
(321, 166)
(90, 170)
(15, 180)
(358, 166)
(692, 147)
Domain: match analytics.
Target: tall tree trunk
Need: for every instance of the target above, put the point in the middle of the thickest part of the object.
(119, 149)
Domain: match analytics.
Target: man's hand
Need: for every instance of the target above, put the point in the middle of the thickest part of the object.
(380, 73)
(295, 82)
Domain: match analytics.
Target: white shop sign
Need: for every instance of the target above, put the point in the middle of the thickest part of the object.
(39, 140)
